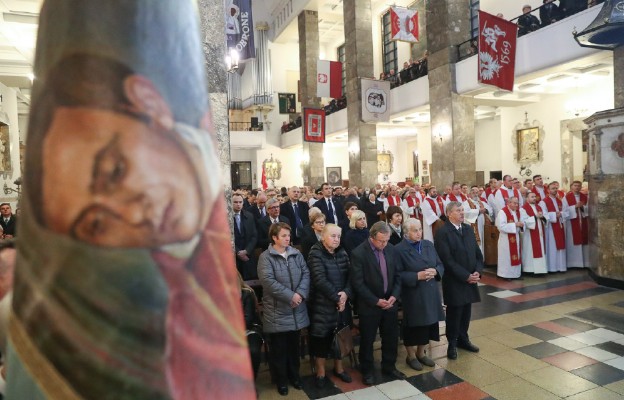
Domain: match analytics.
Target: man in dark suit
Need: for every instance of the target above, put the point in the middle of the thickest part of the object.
(333, 210)
(245, 238)
(7, 220)
(258, 210)
(457, 247)
(297, 213)
(377, 284)
(273, 217)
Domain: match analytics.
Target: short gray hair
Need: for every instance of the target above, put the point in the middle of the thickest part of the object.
(270, 202)
(451, 206)
(379, 227)
(412, 223)
(328, 227)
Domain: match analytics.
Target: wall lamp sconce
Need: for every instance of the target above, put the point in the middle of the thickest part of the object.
(231, 60)
(8, 190)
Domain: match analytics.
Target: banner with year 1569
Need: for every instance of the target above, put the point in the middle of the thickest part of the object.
(497, 51)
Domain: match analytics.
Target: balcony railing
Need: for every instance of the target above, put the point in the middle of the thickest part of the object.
(244, 126)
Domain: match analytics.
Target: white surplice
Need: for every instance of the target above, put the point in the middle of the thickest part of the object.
(530, 263)
(505, 269)
(577, 255)
(429, 217)
(555, 259)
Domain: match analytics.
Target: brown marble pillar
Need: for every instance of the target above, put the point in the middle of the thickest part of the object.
(359, 63)
(313, 161)
(452, 116)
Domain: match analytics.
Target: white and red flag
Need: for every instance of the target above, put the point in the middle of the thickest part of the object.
(497, 51)
(404, 24)
(328, 79)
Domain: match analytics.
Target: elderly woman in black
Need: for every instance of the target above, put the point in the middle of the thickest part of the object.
(420, 269)
(329, 268)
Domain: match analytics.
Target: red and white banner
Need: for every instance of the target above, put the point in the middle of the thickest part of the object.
(404, 24)
(314, 125)
(497, 51)
(328, 79)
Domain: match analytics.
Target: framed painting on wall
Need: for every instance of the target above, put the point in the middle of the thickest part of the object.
(334, 176)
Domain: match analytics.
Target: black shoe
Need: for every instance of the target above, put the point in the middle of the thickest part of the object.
(282, 390)
(297, 384)
(468, 346)
(395, 373)
(320, 381)
(368, 380)
(451, 353)
(344, 376)
(414, 363)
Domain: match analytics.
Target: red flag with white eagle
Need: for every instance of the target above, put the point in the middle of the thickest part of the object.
(404, 23)
(497, 51)
(328, 79)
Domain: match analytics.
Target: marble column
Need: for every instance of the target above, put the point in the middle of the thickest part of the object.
(313, 164)
(452, 116)
(362, 137)
(606, 193)
(212, 26)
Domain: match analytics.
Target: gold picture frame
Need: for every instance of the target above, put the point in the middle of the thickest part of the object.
(528, 145)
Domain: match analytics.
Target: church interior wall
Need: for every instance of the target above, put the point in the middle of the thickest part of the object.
(487, 145)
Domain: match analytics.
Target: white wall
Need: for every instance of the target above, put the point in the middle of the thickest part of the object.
(487, 142)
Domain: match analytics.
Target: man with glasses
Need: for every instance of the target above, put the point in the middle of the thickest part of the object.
(297, 213)
(273, 217)
(457, 247)
(377, 283)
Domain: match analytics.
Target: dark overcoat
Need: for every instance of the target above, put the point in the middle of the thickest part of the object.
(421, 300)
(461, 257)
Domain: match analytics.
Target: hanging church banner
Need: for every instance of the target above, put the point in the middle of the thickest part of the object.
(314, 125)
(404, 24)
(497, 51)
(125, 287)
(239, 28)
(375, 100)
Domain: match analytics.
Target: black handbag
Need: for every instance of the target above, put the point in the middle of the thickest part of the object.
(342, 344)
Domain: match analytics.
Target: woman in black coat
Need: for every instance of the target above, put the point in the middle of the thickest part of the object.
(420, 269)
(394, 216)
(329, 268)
(373, 209)
(312, 235)
(357, 233)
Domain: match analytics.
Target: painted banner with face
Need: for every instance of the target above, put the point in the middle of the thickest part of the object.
(126, 286)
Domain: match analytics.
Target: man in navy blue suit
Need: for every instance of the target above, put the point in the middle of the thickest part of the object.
(331, 208)
(297, 213)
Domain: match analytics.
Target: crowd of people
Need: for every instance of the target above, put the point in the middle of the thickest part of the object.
(322, 257)
(550, 12)
(412, 69)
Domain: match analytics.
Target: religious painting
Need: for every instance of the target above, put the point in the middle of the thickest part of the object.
(334, 176)
(287, 103)
(528, 145)
(425, 167)
(126, 288)
(5, 148)
(385, 162)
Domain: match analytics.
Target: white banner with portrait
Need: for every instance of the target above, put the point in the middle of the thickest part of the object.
(375, 100)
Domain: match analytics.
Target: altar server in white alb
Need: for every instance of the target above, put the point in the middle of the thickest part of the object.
(432, 209)
(555, 230)
(393, 199)
(509, 248)
(576, 232)
(485, 211)
(533, 238)
(505, 192)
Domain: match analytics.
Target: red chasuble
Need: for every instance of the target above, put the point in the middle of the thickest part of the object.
(440, 204)
(413, 202)
(452, 197)
(557, 226)
(580, 228)
(394, 201)
(535, 236)
(513, 247)
(506, 194)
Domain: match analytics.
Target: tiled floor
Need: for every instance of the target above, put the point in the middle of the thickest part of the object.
(559, 336)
